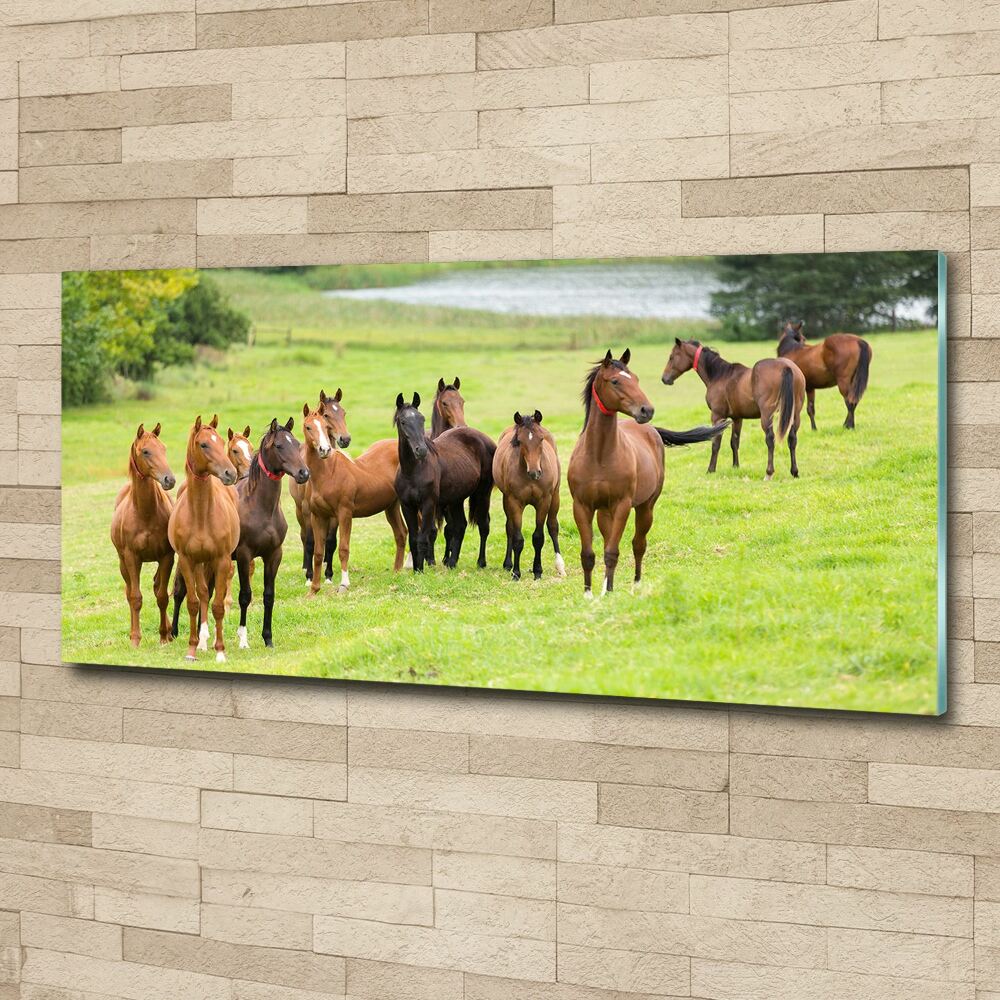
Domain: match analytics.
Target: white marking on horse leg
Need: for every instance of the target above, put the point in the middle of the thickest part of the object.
(560, 564)
(604, 587)
(241, 634)
(588, 594)
(203, 636)
(408, 561)
(220, 657)
(345, 579)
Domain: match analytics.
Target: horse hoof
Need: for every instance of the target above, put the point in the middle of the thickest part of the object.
(560, 565)
(515, 576)
(220, 657)
(769, 476)
(164, 639)
(191, 658)
(269, 643)
(312, 593)
(537, 575)
(134, 643)
(408, 562)
(481, 563)
(342, 589)
(588, 594)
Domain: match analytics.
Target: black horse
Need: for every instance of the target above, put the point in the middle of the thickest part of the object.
(440, 475)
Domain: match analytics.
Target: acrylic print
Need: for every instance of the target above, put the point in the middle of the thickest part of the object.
(713, 479)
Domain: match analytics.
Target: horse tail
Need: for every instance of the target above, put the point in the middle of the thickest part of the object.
(479, 502)
(860, 381)
(786, 401)
(693, 436)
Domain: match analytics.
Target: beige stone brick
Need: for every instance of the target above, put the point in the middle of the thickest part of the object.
(972, 361)
(799, 778)
(285, 175)
(962, 97)
(985, 576)
(148, 910)
(442, 949)
(408, 750)
(333, 22)
(378, 980)
(303, 741)
(465, 169)
(710, 854)
(446, 210)
(36, 40)
(697, 936)
(664, 808)
(80, 937)
(528, 878)
(392, 904)
(44, 11)
(919, 956)
(340, 248)
(46, 895)
(113, 109)
(623, 888)
(831, 906)
(254, 63)
(251, 216)
(40, 823)
(787, 27)
(600, 202)
(414, 56)
(413, 133)
(520, 88)
(69, 76)
(984, 181)
(659, 79)
(487, 15)
(17, 610)
(22, 256)
(902, 871)
(659, 159)
(246, 925)
(511, 244)
(485, 913)
(145, 836)
(117, 181)
(609, 41)
(280, 776)
(899, 18)
(142, 33)
(143, 251)
(231, 851)
(323, 98)
(8, 187)
(611, 969)
(985, 228)
(298, 970)
(443, 831)
(804, 110)
(948, 231)
(257, 814)
(528, 798)
(268, 698)
(965, 789)
(986, 316)
(22, 541)
(987, 663)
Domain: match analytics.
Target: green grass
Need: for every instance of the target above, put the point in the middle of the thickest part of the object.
(815, 592)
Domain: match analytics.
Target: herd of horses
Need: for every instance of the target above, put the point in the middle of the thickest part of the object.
(228, 509)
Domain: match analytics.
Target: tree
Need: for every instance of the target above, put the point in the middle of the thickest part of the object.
(829, 292)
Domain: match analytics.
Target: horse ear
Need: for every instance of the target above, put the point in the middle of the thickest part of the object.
(197, 422)
(677, 341)
(538, 416)
(322, 397)
(799, 325)
(339, 395)
(156, 429)
(440, 385)
(272, 428)
(608, 358)
(215, 421)
(518, 418)
(140, 431)
(290, 423)
(626, 356)
(457, 383)
(416, 400)
(246, 431)
(305, 409)
(230, 435)
(400, 402)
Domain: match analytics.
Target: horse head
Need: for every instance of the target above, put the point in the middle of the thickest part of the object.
(615, 389)
(315, 431)
(449, 406)
(206, 453)
(280, 453)
(240, 451)
(149, 457)
(410, 424)
(681, 360)
(336, 419)
(528, 440)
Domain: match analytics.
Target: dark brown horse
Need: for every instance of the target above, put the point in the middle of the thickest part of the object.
(842, 359)
(526, 471)
(440, 475)
(449, 407)
(618, 466)
(203, 530)
(139, 526)
(772, 386)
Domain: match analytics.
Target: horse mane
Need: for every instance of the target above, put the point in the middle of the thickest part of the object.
(714, 363)
(253, 476)
(587, 394)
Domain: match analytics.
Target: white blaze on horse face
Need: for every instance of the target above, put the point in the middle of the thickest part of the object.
(625, 375)
(245, 448)
(531, 437)
(323, 444)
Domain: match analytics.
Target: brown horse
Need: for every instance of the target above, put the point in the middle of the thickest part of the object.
(449, 408)
(338, 435)
(342, 488)
(773, 385)
(843, 360)
(240, 451)
(526, 471)
(139, 526)
(618, 466)
(204, 528)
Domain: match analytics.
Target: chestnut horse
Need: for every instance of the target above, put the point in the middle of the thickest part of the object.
(204, 528)
(240, 451)
(342, 488)
(526, 471)
(139, 526)
(439, 475)
(336, 428)
(449, 407)
(842, 359)
(618, 466)
(773, 385)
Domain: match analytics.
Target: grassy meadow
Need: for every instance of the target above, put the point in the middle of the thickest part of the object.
(817, 592)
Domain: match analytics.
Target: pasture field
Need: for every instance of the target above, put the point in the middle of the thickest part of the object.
(812, 592)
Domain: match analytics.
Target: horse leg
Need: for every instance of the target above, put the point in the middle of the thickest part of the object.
(271, 564)
(508, 560)
(161, 587)
(552, 522)
(483, 524)
(793, 440)
(204, 595)
(515, 535)
(612, 525)
(188, 574)
(131, 570)
(767, 423)
(428, 529)
(584, 517)
(643, 522)
(734, 440)
(458, 522)
(538, 539)
(321, 531)
(243, 564)
(716, 443)
(223, 575)
(344, 549)
(307, 550)
(395, 518)
(412, 519)
(331, 547)
(180, 592)
(811, 406)
(432, 535)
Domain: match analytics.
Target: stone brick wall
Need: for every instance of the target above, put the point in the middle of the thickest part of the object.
(208, 839)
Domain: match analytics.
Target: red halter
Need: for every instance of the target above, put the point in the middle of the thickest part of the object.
(597, 399)
(187, 465)
(697, 355)
(134, 467)
(267, 472)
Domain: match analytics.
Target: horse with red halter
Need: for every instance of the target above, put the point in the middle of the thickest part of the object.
(526, 471)
(449, 408)
(772, 386)
(617, 466)
(341, 489)
(204, 528)
(842, 359)
(440, 475)
(139, 526)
